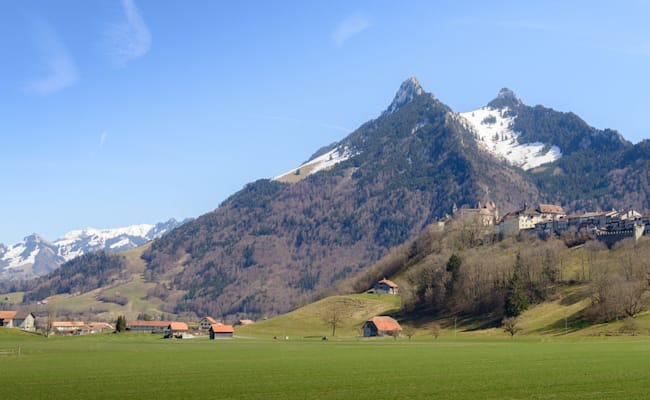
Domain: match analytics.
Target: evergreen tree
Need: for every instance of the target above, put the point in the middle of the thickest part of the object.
(516, 301)
(120, 324)
(453, 267)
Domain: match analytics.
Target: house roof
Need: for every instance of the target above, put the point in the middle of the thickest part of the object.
(384, 323)
(23, 314)
(388, 283)
(178, 326)
(210, 320)
(67, 324)
(218, 328)
(153, 324)
(8, 314)
(246, 321)
(550, 209)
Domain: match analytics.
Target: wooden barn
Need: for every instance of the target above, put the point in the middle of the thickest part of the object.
(218, 331)
(381, 326)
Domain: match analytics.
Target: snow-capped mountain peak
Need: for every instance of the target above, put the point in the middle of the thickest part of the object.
(34, 256)
(408, 90)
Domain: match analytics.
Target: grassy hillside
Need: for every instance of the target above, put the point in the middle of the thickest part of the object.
(131, 286)
(309, 321)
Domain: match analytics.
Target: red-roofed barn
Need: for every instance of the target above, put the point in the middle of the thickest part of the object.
(381, 326)
(221, 331)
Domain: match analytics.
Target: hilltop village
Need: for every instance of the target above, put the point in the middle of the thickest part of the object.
(549, 219)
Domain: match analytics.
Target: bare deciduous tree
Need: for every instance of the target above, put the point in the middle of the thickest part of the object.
(510, 325)
(336, 313)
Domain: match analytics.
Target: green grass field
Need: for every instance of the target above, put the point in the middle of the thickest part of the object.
(137, 366)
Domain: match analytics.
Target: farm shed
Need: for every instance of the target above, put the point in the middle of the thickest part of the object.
(221, 331)
(148, 326)
(381, 326)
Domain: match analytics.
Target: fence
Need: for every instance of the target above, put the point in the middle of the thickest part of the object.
(10, 352)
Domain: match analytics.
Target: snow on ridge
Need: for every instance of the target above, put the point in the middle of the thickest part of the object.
(320, 163)
(15, 255)
(493, 129)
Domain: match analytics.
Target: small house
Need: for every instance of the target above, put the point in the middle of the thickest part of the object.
(176, 330)
(386, 286)
(381, 326)
(206, 323)
(218, 331)
(245, 322)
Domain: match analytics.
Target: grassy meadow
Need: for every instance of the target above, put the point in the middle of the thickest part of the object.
(143, 365)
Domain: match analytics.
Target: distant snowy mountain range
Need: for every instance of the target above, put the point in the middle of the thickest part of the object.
(35, 256)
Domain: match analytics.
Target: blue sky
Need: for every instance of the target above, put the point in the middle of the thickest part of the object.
(115, 112)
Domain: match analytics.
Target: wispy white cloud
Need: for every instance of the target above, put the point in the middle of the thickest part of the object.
(349, 27)
(130, 39)
(62, 69)
(102, 139)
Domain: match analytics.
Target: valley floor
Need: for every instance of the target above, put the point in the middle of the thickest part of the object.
(145, 366)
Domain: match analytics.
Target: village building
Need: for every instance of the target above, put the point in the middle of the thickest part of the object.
(517, 221)
(381, 326)
(550, 212)
(205, 323)
(486, 215)
(245, 322)
(219, 331)
(148, 326)
(386, 286)
(18, 319)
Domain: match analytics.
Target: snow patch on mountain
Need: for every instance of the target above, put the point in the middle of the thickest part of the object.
(320, 163)
(493, 130)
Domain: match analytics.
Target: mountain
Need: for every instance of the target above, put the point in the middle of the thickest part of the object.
(282, 242)
(35, 256)
(273, 245)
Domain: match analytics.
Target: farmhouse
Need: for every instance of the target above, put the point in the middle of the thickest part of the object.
(176, 330)
(17, 319)
(7, 318)
(221, 331)
(206, 323)
(67, 328)
(386, 286)
(381, 326)
(148, 326)
(95, 327)
(25, 320)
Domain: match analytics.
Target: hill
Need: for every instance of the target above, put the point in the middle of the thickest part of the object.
(312, 319)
